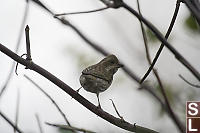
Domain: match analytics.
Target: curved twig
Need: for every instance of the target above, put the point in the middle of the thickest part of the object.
(193, 85)
(162, 45)
(162, 89)
(178, 56)
(116, 109)
(16, 67)
(82, 12)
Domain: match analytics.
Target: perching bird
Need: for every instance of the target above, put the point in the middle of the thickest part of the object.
(97, 78)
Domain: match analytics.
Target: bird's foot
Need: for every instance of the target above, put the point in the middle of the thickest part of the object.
(99, 107)
(78, 89)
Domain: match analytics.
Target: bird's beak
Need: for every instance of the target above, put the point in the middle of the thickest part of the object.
(120, 65)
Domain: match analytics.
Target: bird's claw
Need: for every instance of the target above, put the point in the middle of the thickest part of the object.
(78, 89)
(99, 107)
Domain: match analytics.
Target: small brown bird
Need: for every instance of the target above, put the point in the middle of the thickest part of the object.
(97, 78)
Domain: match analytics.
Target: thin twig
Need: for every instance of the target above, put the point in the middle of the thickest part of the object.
(39, 123)
(49, 97)
(65, 127)
(108, 117)
(193, 85)
(116, 110)
(28, 56)
(112, 3)
(10, 122)
(144, 35)
(16, 68)
(82, 12)
(17, 110)
(162, 45)
(17, 47)
(171, 112)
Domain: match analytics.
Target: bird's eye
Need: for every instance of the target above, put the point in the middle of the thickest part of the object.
(112, 62)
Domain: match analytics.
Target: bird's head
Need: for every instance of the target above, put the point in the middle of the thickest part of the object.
(111, 64)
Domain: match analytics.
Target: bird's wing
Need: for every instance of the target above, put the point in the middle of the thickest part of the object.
(98, 72)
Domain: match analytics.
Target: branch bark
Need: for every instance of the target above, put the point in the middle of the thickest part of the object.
(106, 116)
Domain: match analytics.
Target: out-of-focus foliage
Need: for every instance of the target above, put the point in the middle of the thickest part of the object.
(173, 94)
(151, 36)
(82, 58)
(191, 24)
(60, 130)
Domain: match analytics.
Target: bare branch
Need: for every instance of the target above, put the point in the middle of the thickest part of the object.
(65, 127)
(162, 45)
(17, 110)
(10, 122)
(113, 3)
(39, 123)
(49, 97)
(191, 84)
(178, 56)
(28, 56)
(171, 112)
(116, 110)
(83, 12)
(17, 47)
(108, 117)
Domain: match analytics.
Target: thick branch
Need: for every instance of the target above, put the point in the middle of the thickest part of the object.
(106, 116)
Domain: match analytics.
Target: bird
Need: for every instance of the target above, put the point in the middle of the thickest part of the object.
(98, 78)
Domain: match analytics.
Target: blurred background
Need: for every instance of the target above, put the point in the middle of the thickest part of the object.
(62, 52)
